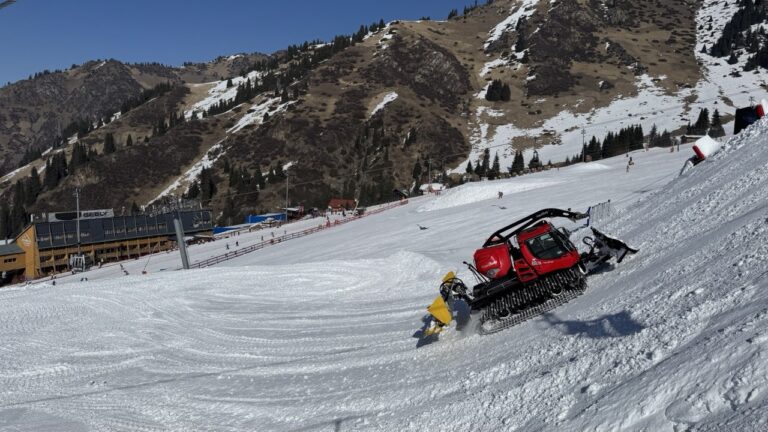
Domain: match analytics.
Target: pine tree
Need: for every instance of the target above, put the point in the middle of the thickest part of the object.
(653, 137)
(469, 169)
(665, 139)
(279, 173)
(18, 214)
(55, 170)
(486, 162)
(33, 187)
(593, 149)
(518, 163)
(79, 156)
(716, 130)
(506, 93)
(416, 173)
(701, 127)
(5, 220)
(129, 141)
(109, 144)
(194, 191)
(495, 168)
(495, 91)
(259, 177)
(234, 178)
(207, 185)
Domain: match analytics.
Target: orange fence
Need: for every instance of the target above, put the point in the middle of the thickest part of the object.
(277, 240)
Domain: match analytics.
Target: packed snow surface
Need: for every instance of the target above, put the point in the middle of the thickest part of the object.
(317, 333)
(482, 191)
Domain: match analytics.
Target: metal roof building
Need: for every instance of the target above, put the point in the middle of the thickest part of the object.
(47, 245)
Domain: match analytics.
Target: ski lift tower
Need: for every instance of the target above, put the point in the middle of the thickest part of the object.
(178, 226)
(77, 218)
(78, 262)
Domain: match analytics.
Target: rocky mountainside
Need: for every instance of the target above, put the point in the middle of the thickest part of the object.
(375, 110)
(37, 113)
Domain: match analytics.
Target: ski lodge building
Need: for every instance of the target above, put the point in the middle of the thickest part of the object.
(44, 247)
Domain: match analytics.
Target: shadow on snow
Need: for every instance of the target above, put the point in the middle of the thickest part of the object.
(608, 326)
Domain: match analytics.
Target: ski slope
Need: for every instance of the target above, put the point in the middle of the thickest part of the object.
(317, 334)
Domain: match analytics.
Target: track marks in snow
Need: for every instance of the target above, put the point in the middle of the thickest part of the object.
(156, 346)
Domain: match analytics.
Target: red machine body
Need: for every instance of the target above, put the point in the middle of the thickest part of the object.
(493, 261)
(542, 250)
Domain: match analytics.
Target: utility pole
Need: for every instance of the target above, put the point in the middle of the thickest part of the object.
(177, 224)
(286, 196)
(442, 170)
(77, 217)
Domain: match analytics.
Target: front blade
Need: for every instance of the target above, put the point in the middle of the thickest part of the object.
(440, 311)
(449, 276)
(612, 246)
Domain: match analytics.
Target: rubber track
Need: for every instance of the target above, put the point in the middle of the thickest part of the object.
(497, 325)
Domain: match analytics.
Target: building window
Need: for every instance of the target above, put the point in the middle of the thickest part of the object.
(9, 260)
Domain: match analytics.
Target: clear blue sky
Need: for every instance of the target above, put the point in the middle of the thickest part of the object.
(54, 34)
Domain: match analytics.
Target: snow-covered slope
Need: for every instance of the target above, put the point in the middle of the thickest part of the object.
(317, 333)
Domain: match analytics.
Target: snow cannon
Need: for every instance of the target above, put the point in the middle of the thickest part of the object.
(704, 148)
(748, 115)
(525, 269)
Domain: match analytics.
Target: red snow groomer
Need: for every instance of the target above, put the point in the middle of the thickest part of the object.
(524, 269)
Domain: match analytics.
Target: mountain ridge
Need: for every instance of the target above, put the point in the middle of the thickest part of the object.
(621, 64)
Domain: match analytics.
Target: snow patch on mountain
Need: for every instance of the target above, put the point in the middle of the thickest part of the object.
(386, 100)
(525, 9)
(491, 65)
(219, 92)
(185, 180)
(651, 106)
(255, 114)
